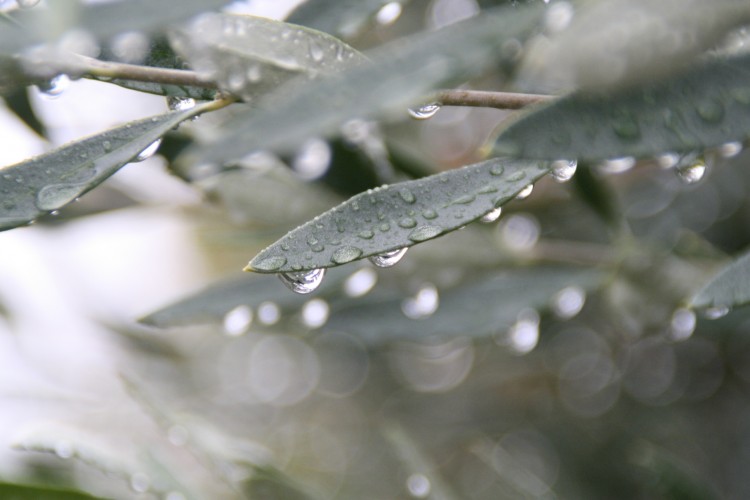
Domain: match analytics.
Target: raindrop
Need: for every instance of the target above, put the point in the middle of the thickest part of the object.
(56, 196)
(617, 165)
(140, 482)
(366, 234)
(429, 214)
(423, 233)
(711, 111)
(55, 86)
(525, 192)
(730, 149)
(564, 170)
(683, 324)
(715, 312)
(407, 195)
(497, 169)
(361, 282)
(407, 223)
(269, 313)
(423, 304)
(492, 215)
(693, 171)
(27, 4)
(315, 313)
(520, 232)
(424, 112)
(313, 159)
(568, 302)
(149, 151)
(523, 336)
(269, 264)
(64, 449)
(346, 254)
(303, 282)
(238, 320)
(418, 485)
(388, 13)
(388, 259)
(180, 103)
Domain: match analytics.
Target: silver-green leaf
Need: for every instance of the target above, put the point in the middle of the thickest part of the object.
(729, 288)
(398, 216)
(50, 181)
(705, 107)
(343, 19)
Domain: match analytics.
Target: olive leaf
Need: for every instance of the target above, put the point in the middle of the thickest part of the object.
(730, 287)
(401, 72)
(339, 19)
(394, 217)
(50, 181)
(705, 107)
(250, 56)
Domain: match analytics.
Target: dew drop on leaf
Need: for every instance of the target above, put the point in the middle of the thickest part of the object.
(346, 254)
(149, 151)
(303, 282)
(616, 165)
(668, 160)
(423, 233)
(716, 312)
(316, 52)
(692, 172)
(56, 196)
(388, 259)
(497, 169)
(270, 263)
(492, 215)
(140, 482)
(407, 223)
(55, 87)
(407, 195)
(180, 103)
(425, 111)
(563, 170)
(429, 214)
(525, 192)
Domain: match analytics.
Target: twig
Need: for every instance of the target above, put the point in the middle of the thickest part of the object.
(485, 99)
(108, 69)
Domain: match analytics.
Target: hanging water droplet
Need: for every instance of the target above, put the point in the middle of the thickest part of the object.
(388, 13)
(313, 159)
(55, 87)
(730, 149)
(425, 111)
(316, 52)
(388, 259)
(423, 304)
(683, 324)
(525, 192)
(180, 103)
(616, 165)
(423, 233)
(269, 313)
(361, 282)
(568, 302)
(523, 336)
(149, 151)
(418, 486)
(238, 320)
(563, 170)
(716, 312)
(27, 4)
(491, 216)
(57, 196)
(315, 313)
(693, 171)
(303, 282)
(346, 254)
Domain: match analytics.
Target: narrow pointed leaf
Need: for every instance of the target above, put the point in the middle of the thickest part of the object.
(250, 56)
(729, 288)
(398, 216)
(49, 182)
(401, 73)
(705, 107)
(343, 19)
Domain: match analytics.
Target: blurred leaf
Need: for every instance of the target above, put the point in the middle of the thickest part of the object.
(50, 181)
(705, 107)
(18, 102)
(480, 308)
(337, 18)
(398, 216)
(251, 56)
(401, 73)
(29, 492)
(270, 483)
(11, 75)
(597, 195)
(730, 287)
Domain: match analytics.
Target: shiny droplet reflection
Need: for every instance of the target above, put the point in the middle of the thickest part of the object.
(525, 192)
(716, 312)
(313, 159)
(149, 151)
(360, 282)
(388, 259)
(520, 232)
(568, 302)
(388, 13)
(693, 171)
(418, 485)
(423, 304)
(180, 103)
(55, 87)
(683, 324)
(616, 165)
(303, 282)
(315, 313)
(523, 336)
(424, 112)
(238, 320)
(563, 170)
(492, 215)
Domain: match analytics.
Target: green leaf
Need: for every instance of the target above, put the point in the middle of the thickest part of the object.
(398, 216)
(251, 56)
(729, 288)
(18, 102)
(48, 182)
(705, 107)
(402, 72)
(31, 492)
(337, 18)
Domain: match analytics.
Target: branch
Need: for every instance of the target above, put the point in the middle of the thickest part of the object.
(484, 99)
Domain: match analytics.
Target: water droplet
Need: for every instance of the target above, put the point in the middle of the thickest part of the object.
(520, 232)
(269, 313)
(625, 127)
(568, 302)
(517, 176)
(730, 149)
(149, 151)
(385, 227)
(366, 234)
(668, 160)
(254, 73)
(423, 304)
(180, 103)
(424, 112)
(429, 214)
(407, 223)
(563, 170)
(617, 165)
(525, 192)
(716, 312)
(418, 486)
(361, 282)
(710, 110)
(497, 169)
(303, 282)
(523, 336)
(683, 324)
(238, 320)
(107, 146)
(316, 52)
(464, 200)
(491, 216)
(140, 482)
(423, 233)
(407, 195)
(313, 159)
(388, 13)
(27, 4)
(269, 263)
(64, 449)
(57, 196)
(692, 172)
(388, 259)
(55, 87)
(315, 313)
(346, 254)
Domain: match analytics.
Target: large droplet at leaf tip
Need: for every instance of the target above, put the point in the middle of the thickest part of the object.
(303, 282)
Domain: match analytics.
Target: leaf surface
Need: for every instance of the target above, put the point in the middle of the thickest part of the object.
(337, 18)
(729, 288)
(398, 216)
